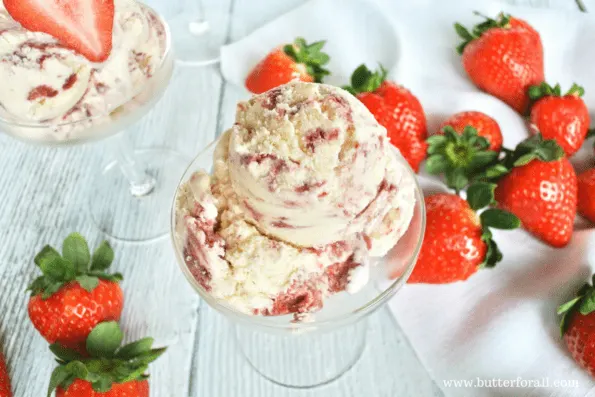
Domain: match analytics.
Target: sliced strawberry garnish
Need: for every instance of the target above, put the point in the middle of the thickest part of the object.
(84, 26)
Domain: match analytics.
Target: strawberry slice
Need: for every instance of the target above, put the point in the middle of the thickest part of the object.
(84, 26)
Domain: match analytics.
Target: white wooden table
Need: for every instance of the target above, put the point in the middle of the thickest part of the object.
(43, 198)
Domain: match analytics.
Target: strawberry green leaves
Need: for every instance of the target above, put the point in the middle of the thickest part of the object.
(479, 196)
(311, 56)
(108, 363)
(583, 303)
(76, 251)
(534, 148)
(544, 89)
(502, 21)
(365, 80)
(75, 264)
(104, 339)
(462, 158)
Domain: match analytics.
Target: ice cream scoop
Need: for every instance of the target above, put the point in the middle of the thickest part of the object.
(305, 190)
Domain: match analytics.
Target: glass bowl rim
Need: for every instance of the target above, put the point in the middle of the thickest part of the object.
(267, 322)
(164, 61)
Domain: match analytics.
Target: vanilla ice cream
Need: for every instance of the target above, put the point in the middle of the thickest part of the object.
(305, 189)
(45, 82)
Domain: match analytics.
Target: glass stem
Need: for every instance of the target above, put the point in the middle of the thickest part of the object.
(201, 11)
(141, 184)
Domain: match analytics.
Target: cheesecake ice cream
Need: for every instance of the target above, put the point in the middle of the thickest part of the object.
(45, 82)
(305, 191)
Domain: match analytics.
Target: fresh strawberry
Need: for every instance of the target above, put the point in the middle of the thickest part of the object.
(457, 241)
(541, 189)
(299, 60)
(84, 26)
(394, 107)
(72, 297)
(109, 370)
(460, 151)
(4, 379)
(503, 57)
(586, 194)
(578, 327)
(485, 126)
(564, 118)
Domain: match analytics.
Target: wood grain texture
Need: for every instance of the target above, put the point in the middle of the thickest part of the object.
(43, 192)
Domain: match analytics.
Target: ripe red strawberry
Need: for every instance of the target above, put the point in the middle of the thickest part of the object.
(503, 57)
(458, 242)
(109, 371)
(84, 26)
(72, 297)
(4, 379)
(395, 108)
(299, 60)
(541, 189)
(578, 327)
(485, 126)
(564, 118)
(586, 194)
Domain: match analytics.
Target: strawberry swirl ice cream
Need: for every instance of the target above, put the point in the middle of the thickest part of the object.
(45, 82)
(305, 190)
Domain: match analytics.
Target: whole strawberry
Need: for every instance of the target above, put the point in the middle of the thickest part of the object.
(503, 57)
(457, 241)
(586, 194)
(564, 118)
(395, 108)
(108, 371)
(485, 126)
(74, 294)
(299, 60)
(577, 327)
(4, 379)
(541, 189)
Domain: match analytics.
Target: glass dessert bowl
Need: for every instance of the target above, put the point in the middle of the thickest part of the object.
(296, 224)
(87, 108)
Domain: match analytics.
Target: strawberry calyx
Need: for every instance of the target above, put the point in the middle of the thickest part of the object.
(501, 21)
(365, 80)
(460, 157)
(479, 196)
(532, 148)
(74, 265)
(583, 302)
(544, 89)
(310, 55)
(108, 363)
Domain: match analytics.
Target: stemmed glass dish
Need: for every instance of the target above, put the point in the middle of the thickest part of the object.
(138, 182)
(309, 353)
(193, 37)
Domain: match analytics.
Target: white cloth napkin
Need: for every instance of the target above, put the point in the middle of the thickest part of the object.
(499, 326)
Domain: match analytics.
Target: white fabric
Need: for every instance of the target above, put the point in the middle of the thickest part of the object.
(500, 325)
